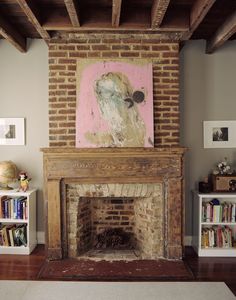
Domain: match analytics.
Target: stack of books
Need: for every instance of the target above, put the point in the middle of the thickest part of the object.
(13, 207)
(13, 235)
(217, 236)
(218, 212)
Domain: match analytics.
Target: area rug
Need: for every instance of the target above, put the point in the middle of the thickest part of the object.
(143, 270)
(54, 290)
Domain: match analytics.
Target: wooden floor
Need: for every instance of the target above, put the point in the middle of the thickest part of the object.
(24, 267)
(212, 268)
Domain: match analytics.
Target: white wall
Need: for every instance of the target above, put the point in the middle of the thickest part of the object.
(24, 93)
(208, 85)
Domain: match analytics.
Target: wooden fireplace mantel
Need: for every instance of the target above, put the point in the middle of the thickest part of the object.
(113, 165)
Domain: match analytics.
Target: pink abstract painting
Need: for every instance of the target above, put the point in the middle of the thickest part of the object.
(114, 104)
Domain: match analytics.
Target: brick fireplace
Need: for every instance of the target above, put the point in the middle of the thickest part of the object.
(139, 190)
(151, 179)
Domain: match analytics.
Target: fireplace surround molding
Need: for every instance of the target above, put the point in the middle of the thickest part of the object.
(63, 166)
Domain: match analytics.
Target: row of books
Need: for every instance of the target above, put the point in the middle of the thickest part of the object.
(217, 236)
(13, 207)
(13, 235)
(222, 212)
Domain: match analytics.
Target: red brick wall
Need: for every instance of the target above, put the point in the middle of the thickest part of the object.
(63, 55)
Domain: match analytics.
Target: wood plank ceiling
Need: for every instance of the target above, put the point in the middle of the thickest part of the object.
(212, 20)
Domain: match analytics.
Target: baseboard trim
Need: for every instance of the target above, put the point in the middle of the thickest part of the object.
(41, 237)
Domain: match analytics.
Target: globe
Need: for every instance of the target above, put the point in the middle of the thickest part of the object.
(8, 173)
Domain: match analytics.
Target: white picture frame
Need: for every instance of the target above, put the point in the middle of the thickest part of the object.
(219, 134)
(12, 131)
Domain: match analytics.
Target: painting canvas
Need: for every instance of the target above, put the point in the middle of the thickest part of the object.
(114, 104)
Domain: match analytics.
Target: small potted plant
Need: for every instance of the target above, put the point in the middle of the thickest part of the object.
(223, 168)
(223, 177)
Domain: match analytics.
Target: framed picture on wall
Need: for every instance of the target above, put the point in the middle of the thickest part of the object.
(12, 131)
(219, 134)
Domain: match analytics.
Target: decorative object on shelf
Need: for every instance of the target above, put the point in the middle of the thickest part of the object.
(205, 186)
(232, 185)
(219, 134)
(224, 183)
(12, 131)
(223, 168)
(24, 181)
(8, 174)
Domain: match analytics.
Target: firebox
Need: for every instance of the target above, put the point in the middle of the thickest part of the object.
(118, 221)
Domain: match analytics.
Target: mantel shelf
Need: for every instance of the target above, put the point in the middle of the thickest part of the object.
(115, 152)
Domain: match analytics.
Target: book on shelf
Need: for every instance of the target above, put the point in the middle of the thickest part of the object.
(13, 207)
(217, 236)
(20, 236)
(2, 199)
(219, 213)
(13, 235)
(5, 236)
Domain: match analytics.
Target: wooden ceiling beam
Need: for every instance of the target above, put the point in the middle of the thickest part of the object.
(177, 20)
(73, 11)
(223, 33)
(199, 11)
(10, 34)
(104, 27)
(116, 9)
(159, 8)
(33, 19)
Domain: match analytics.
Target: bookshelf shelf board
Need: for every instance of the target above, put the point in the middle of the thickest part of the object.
(218, 248)
(15, 221)
(14, 250)
(16, 193)
(219, 223)
(217, 252)
(216, 195)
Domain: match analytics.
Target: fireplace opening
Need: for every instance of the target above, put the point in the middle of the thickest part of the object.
(115, 228)
(106, 228)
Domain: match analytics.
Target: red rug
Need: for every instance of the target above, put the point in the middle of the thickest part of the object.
(137, 270)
